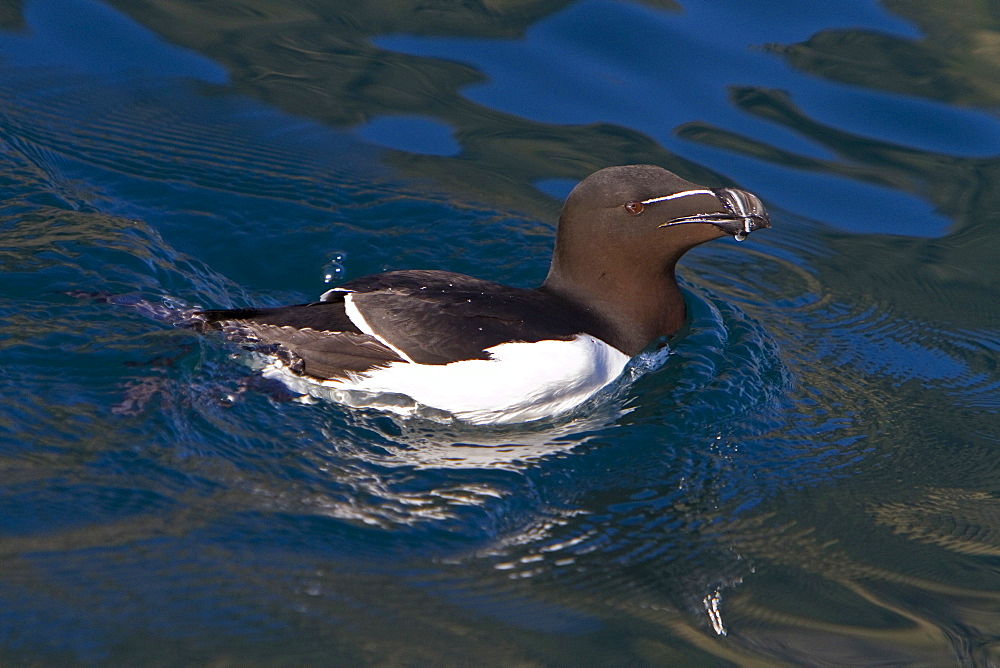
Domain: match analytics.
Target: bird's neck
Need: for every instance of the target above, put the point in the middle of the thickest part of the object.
(634, 305)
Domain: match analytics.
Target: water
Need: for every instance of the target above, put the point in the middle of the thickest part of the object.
(810, 476)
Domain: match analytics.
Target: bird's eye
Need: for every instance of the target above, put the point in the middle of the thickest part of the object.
(635, 208)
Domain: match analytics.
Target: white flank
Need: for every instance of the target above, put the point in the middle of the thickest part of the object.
(522, 382)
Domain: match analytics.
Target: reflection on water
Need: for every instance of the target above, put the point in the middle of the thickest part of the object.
(810, 476)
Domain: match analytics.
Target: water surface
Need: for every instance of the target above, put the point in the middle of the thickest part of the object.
(810, 476)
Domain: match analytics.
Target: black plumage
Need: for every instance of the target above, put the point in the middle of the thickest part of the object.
(432, 317)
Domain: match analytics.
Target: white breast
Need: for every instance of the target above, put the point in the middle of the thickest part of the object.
(522, 381)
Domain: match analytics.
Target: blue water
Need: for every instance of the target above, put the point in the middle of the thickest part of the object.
(809, 477)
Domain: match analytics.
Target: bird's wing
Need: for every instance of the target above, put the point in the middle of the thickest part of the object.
(440, 317)
(431, 317)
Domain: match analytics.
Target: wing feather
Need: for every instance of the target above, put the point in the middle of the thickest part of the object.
(315, 339)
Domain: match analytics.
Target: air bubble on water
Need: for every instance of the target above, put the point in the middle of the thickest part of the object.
(740, 236)
(333, 271)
